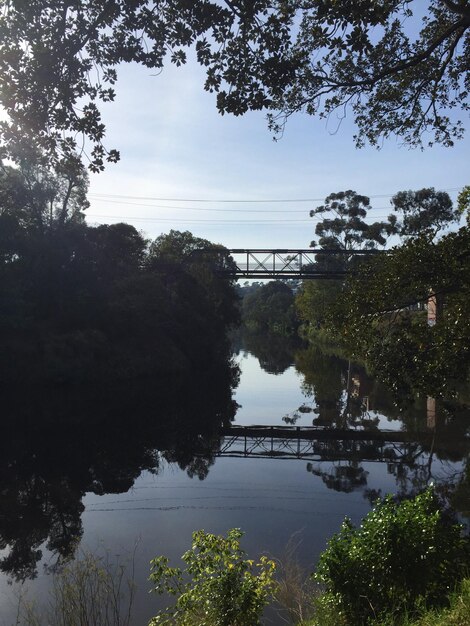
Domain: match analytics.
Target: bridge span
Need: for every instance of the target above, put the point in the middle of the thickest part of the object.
(324, 444)
(285, 263)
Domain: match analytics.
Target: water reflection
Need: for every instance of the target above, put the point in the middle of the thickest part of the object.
(275, 353)
(341, 397)
(59, 444)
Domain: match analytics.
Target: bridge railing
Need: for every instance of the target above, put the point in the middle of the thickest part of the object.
(318, 444)
(280, 262)
(290, 263)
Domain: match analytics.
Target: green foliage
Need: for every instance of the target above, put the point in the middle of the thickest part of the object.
(181, 252)
(41, 198)
(342, 227)
(400, 66)
(225, 589)
(83, 303)
(347, 230)
(401, 556)
(327, 612)
(270, 308)
(314, 303)
(457, 614)
(374, 320)
(463, 202)
(425, 210)
(374, 315)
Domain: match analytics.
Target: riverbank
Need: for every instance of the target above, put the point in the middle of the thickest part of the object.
(456, 614)
(406, 564)
(394, 569)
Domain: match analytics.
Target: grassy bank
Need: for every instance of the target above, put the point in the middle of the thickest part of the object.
(456, 614)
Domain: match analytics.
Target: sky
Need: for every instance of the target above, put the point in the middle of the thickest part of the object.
(185, 167)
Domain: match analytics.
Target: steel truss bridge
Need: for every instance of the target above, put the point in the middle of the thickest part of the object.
(287, 263)
(315, 444)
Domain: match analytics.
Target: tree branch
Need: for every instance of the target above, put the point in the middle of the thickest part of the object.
(413, 61)
(233, 8)
(460, 9)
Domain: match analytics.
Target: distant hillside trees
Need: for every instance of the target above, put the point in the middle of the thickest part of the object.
(271, 308)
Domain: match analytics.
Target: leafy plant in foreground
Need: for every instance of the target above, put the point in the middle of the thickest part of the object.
(224, 588)
(403, 555)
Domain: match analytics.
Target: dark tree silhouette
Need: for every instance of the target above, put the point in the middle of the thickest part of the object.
(400, 66)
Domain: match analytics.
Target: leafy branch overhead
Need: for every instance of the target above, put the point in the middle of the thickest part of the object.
(401, 66)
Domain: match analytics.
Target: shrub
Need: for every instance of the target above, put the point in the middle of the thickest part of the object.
(224, 588)
(91, 590)
(403, 555)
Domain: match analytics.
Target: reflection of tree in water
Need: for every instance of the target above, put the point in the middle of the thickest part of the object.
(275, 353)
(292, 418)
(453, 485)
(60, 444)
(345, 397)
(342, 391)
(341, 477)
(432, 457)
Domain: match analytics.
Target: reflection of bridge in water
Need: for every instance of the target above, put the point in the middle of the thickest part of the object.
(315, 444)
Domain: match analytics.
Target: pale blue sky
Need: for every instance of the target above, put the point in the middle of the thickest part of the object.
(174, 145)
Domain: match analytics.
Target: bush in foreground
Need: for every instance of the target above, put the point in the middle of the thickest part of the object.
(456, 614)
(403, 556)
(223, 589)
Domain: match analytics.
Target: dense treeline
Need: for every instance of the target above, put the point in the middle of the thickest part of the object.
(84, 302)
(270, 308)
(377, 314)
(135, 333)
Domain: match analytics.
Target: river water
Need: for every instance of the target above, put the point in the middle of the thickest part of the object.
(138, 501)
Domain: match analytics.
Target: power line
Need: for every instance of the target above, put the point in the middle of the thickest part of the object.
(209, 221)
(187, 208)
(244, 201)
(198, 221)
(207, 200)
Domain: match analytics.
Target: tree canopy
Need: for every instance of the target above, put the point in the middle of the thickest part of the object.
(83, 303)
(270, 308)
(425, 210)
(372, 314)
(375, 318)
(347, 229)
(400, 65)
(43, 198)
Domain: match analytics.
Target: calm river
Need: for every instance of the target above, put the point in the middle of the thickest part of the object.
(127, 496)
